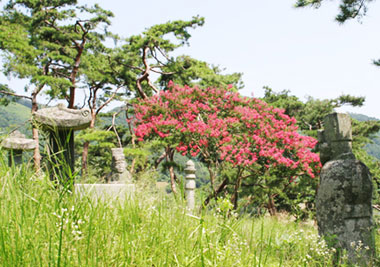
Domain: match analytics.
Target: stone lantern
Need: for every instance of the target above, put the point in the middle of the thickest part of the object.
(16, 143)
(61, 122)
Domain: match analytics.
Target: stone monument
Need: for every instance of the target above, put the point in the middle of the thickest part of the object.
(16, 143)
(119, 174)
(344, 198)
(61, 123)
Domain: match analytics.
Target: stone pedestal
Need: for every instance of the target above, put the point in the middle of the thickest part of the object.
(61, 123)
(16, 143)
(344, 198)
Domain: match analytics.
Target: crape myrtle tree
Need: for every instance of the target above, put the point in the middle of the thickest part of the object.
(45, 42)
(240, 139)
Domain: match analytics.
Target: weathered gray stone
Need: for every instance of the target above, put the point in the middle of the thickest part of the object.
(190, 184)
(344, 198)
(343, 204)
(16, 142)
(120, 174)
(63, 118)
(336, 138)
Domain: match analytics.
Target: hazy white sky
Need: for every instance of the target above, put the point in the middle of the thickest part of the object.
(272, 43)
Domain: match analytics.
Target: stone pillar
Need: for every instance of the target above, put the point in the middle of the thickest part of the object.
(14, 157)
(16, 143)
(344, 198)
(61, 143)
(61, 122)
(190, 184)
(119, 174)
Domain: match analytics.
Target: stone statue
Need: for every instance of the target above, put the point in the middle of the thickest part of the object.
(119, 174)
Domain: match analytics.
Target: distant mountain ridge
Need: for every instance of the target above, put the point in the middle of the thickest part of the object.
(16, 115)
(362, 117)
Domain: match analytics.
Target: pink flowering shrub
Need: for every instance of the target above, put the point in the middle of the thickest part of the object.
(221, 125)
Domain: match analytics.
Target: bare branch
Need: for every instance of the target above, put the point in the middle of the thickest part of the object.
(114, 128)
(151, 85)
(160, 159)
(153, 53)
(15, 95)
(84, 101)
(108, 101)
(81, 26)
(163, 53)
(161, 72)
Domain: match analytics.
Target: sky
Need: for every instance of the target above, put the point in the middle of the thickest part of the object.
(272, 43)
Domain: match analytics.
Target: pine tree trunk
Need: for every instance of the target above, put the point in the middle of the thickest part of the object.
(36, 153)
(169, 157)
(271, 205)
(86, 145)
(172, 180)
(84, 158)
(235, 196)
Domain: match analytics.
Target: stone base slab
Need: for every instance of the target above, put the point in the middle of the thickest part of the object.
(108, 191)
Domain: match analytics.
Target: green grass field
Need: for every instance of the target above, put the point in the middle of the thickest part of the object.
(41, 225)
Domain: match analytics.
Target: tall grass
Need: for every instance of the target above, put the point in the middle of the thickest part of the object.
(41, 225)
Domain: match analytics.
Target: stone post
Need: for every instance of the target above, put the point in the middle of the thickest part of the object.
(190, 184)
(344, 198)
(16, 143)
(61, 122)
(119, 174)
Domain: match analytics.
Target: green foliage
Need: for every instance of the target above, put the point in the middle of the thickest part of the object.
(140, 155)
(309, 114)
(185, 70)
(363, 132)
(349, 9)
(4, 99)
(99, 154)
